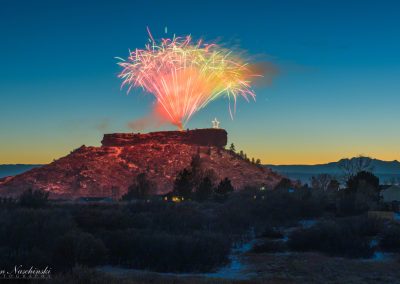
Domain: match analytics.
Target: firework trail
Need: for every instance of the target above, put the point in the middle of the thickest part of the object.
(185, 76)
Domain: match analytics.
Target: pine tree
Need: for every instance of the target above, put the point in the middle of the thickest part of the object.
(139, 189)
(183, 184)
(195, 169)
(204, 190)
(224, 187)
(232, 148)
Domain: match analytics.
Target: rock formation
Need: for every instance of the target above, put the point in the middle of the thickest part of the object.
(201, 137)
(110, 169)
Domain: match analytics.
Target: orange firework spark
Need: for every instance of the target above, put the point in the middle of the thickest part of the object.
(185, 76)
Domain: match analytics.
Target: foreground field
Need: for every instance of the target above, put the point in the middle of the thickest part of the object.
(280, 236)
(261, 268)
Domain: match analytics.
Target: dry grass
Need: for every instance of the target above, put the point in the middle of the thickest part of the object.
(265, 268)
(317, 268)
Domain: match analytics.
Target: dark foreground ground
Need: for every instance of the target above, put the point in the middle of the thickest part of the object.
(252, 236)
(262, 268)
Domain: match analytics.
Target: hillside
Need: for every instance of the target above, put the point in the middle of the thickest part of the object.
(110, 169)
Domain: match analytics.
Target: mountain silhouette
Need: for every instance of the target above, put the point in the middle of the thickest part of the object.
(385, 170)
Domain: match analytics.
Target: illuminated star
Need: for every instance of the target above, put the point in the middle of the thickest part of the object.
(215, 123)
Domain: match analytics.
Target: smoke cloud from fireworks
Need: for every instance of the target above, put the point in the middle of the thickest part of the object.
(185, 76)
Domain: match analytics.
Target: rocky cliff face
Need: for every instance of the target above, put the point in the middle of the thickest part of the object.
(200, 137)
(110, 169)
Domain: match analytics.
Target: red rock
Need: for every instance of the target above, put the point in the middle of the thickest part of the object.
(202, 137)
(110, 169)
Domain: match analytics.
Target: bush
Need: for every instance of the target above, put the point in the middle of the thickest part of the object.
(224, 187)
(165, 252)
(78, 248)
(204, 189)
(28, 236)
(33, 198)
(364, 226)
(94, 218)
(25, 229)
(269, 246)
(83, 274)
(331, 238)
(176, 237)
(271, 233)
(362, 180)
(26, 257)
(140, 189)
(284, 184)
(390, 240)
(183, 184)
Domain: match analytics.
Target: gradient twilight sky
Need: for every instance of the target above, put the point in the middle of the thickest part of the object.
(337, 94)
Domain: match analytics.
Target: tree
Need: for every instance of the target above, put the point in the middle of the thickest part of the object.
(284, 183)
(33, 198)
(321, 181)
(183, 184)
(258, 162)
(139, 189)
(334, 185)
(76, 248)
(241, 154)
(211, 174)
(362, 180)
(363, 191)
(351, 167)
(232, 148)
(195, 169)
(224, 187)
(115, 192)
(253, 161)
(204, 190)
(392, 181)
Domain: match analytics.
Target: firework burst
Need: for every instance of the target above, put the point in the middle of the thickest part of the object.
(185, 76)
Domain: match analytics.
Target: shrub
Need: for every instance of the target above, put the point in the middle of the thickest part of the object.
(390, 240)
(165, 252)
(330, 238)
(364, 226)
(204, 189)
(26, 229)
(78, 248)
(26, 257)
(361, 180)
(269, 246)
(271, 233)
(83, 274)
(283, 184)
(33, 198)
(224, 187)
(183, 184)
(139, 189)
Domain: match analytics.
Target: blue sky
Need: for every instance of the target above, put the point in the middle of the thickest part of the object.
(336, 95)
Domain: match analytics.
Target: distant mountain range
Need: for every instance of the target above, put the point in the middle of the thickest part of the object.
(385, 170)
(12, 170)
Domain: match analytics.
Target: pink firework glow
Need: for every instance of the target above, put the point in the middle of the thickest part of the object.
(185, 76)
